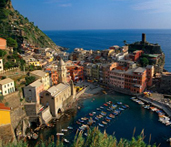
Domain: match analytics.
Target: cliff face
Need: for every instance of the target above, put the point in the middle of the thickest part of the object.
(13, 24)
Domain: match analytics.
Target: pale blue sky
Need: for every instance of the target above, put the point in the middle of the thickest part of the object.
(96, 14)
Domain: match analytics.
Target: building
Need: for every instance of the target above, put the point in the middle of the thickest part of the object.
(32, 91)
(64, 56)
(136, 80)
(55, 96)
(43, 76)
(53, 76)
(136, 55)
(3, 44)
(150, 74)
(7, 86)
(1, 65)
(4, 115)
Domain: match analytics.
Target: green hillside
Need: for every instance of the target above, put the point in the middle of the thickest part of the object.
(18, 27)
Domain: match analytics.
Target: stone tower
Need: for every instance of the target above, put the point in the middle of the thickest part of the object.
(62, 72)
(73, 91)
(143, 38)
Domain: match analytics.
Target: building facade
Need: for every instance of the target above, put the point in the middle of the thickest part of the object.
(3, 44)
(1, 65)
(7, 86)
(4, 115)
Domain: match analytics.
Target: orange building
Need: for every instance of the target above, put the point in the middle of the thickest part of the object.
(76, 72)
(136, 79)
(136, 55)
(53, 75)
(3, 43)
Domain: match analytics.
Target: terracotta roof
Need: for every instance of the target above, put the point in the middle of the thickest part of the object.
(121, 68)
(3, 107)
(2, 38)
(97, 57)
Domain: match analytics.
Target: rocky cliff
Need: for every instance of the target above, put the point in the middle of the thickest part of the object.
(18, 27)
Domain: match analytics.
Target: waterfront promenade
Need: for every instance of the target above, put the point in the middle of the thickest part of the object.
(154, 101)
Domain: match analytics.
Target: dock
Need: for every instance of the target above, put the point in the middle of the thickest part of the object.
(164, 107)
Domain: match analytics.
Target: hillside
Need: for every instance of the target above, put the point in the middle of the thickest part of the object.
(18, 27)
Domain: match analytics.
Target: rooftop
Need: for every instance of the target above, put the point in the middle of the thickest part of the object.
(55, 90)
(3, 107)
(39, 73)
(140, 70)
(37, 83)
(6, 81)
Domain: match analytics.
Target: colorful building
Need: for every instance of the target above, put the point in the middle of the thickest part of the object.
(43, 76)
(53, 76)
(35, 63)
(3, 43)
(4, 115)
(136, 55)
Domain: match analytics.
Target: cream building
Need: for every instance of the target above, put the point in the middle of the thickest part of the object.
(1, 65)
(7, 86)
(62, 71)
(43, 76)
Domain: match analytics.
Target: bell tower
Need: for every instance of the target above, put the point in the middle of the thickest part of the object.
(62, 72)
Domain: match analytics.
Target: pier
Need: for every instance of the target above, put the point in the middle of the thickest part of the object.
(157, 104)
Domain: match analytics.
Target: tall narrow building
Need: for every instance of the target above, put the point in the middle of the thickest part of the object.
(62, 72)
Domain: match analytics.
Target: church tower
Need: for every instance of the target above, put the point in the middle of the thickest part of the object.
(62, 72)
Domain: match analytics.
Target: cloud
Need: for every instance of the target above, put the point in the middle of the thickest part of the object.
(65, 5)
(155, 6)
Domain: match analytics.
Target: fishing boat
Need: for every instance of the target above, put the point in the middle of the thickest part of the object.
(105, 104)
(124, 107)
(121, 109)
(91, 114)
(108, 120)
(100, 115)
(114, 106)
(112, 116)
(64, 130)
(60, 134)
(66, 141)
(108, 109)
(84, 118)
(96, 118)
(70, 128)
(104, 114)
(127, 106)
(108, 117)
(103, 122)
(101, 125)
(101, 107)
(81, 120)
(78, 122)
(153, 108)
(119, 103)
(98, 109)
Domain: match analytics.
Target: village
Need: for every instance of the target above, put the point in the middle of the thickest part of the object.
(50, 81)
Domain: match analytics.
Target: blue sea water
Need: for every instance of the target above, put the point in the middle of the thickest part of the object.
(103, 39)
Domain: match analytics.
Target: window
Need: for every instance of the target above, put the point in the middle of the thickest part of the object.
(11, 83)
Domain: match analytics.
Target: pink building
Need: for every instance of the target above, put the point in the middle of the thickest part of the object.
(117, 77)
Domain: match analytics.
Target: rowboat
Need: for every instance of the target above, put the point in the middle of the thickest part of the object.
(119, 103)
(84, 118)
(101, 125)
(105, 104)
(65, 140)
(103, 122)
(78, 122)
(98, 109)
(90, 114)
(69, 127)
(81, 121)
(60, 134)
(64, 130)
(121, 109)
(96, 118)
(101, 107)
(112, 116)
(124, 107)
(108, 120)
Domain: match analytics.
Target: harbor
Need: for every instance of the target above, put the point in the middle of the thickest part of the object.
(97, 109)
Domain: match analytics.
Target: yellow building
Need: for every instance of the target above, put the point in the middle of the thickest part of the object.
(4, 115)
(43, 76)
(35, 63)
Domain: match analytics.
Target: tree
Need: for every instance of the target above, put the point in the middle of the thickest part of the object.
(29, 80)
(2, 53)
(12, 43)
(144, 61)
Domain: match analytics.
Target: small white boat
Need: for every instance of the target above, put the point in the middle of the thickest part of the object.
(101, 125)
(65, 140)
(69, 127)
(60, 134)
(85, 134)
(64, 130)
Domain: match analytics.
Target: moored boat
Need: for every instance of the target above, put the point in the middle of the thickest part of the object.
(119, 103)
(105, 104)
(66, 141)
(69, 127)
(101, 125)
(103, 122)
(60, 134)
(64, 130)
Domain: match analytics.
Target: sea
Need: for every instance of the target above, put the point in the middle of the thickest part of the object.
(134, 119)
(103, 39)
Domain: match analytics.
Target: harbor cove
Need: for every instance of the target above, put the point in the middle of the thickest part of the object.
(131, 121)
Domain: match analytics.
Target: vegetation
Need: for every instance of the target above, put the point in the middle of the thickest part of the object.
(94, 139)
(29, 80)
(144, 61)
(16, 28)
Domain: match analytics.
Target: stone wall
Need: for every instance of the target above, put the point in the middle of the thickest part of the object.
(13, 100)
(80, 93)
(17, 115)
(46, 115)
